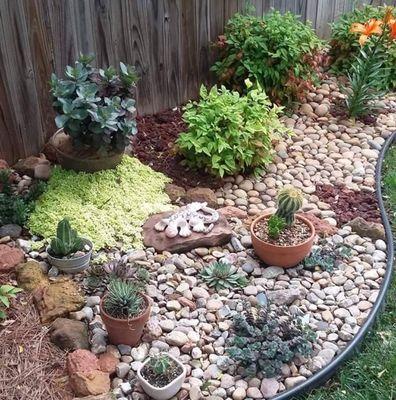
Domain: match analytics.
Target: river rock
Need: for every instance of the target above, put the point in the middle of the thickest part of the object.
(373, 230)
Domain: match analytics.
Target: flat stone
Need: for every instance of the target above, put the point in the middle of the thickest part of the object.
(68, 334)
(233, 212)
(283, 296)
(11, 230)
(219, 235)
(10, 257)
(272, 272)
(90, 383)
(373, 230)
(201, 195)
(58, 299)
(269, 387)
(322, 227)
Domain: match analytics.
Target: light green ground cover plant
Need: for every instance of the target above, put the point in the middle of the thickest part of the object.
(228, 133)
(107, 207)
(370, 375)
(345, 47)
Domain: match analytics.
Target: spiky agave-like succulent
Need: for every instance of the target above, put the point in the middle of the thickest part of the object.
(220, 275)
(290, 201)
(123, 299)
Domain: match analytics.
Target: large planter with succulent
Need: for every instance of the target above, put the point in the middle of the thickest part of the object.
(96, 115)
(124, 311)
(69, 252)
(283, 239)
(161, 376)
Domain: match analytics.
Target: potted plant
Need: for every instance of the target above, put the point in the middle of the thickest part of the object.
(284, 238)
(124, 311)
(67, 251)
(161, 376)
(96, 114)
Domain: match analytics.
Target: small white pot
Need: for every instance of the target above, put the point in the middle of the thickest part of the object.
(167, 391)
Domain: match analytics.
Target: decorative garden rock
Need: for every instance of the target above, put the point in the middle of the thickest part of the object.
(322, 227)
(203, 195)
(10, 257)
(28, 166)
(233, 212)
(90, 383)
(11, 230)
(174, 192)
(219, 235)
(58, 299)
(105, 396)
(30, 276)
(194, 217)
(363, 228)
(68, 334)
(81, 361)
(108, 362)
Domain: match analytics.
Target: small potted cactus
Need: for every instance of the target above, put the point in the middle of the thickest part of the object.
(284, 238)
(67, 251)
(124, 311)
(161, 376)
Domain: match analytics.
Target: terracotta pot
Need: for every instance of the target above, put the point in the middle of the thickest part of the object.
(165, 392)
(125, 331)
(282, 256)
(80, 164)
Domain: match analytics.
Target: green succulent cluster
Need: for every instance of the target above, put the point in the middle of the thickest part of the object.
(275, 226)
(265, 339)
(220, 275)
(96, 106)
(160, 364)
(123, 300)
(289, 200)
(106, 207)
(66, 241)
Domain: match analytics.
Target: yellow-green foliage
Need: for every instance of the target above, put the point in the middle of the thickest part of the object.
(107, 207)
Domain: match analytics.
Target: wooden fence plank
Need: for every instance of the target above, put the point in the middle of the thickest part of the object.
(169, 42)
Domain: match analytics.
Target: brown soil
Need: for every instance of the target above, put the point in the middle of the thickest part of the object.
(173, 371)
(290, 236)
(154, 145)
(31, 367)
(348, 204)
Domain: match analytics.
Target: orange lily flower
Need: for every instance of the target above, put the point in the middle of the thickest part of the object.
(388, 17)
(392, 27)
(372, 27)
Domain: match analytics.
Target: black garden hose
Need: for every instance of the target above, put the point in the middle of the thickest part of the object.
(324, 374)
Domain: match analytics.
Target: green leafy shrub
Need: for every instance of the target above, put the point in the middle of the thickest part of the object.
(16, 208)
(228, 133)
(278, 51)
(6, 293)
(107, 207)
(345, 47)
(123, 300)
(264, 339)
(95, 106)
(66, 241)
(220, 275)
(275, 226)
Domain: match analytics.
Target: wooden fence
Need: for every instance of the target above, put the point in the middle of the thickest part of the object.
(167, 40)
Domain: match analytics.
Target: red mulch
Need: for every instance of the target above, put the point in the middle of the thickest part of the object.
(154, 145)
(348, 204)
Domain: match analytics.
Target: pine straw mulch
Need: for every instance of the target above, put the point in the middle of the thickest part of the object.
(31, 367)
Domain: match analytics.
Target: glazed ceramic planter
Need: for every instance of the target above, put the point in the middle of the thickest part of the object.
(282, 256)
(126, 331)
(75, 163)
(166, 392)
(71, 265)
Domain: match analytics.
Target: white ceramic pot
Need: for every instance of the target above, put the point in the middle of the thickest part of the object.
(71, 265)
(167, 391)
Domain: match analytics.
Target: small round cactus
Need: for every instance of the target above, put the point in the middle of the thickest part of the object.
(289, 201)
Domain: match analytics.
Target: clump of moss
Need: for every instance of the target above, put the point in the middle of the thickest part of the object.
(108, 207)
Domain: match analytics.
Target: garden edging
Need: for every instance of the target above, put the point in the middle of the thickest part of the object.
(327, 372)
